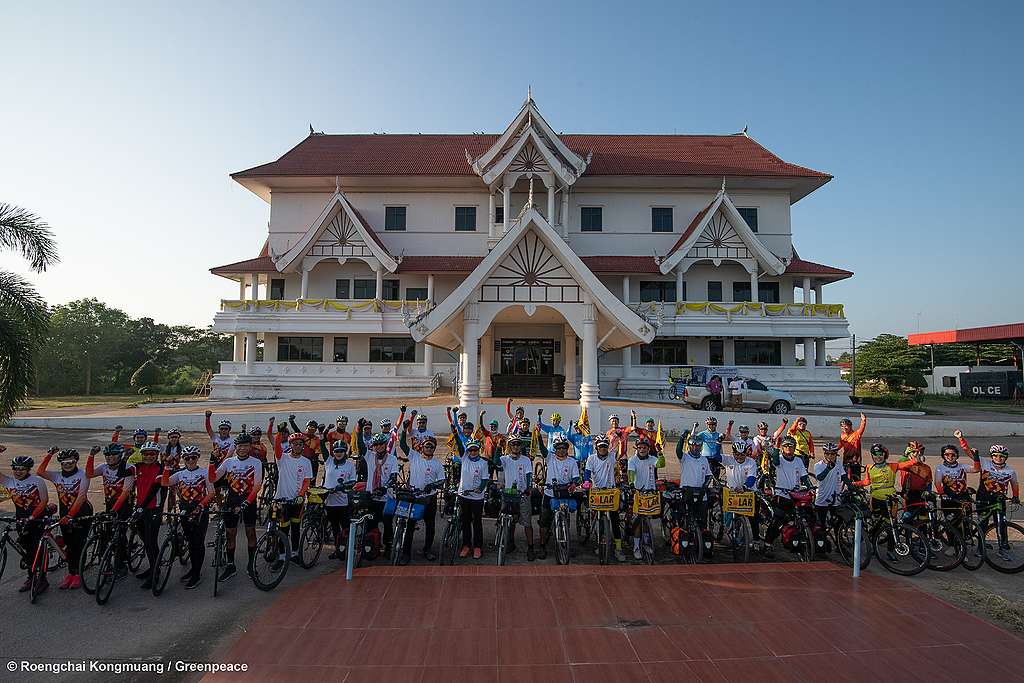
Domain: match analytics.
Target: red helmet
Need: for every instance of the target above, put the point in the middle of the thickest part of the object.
(296, 436)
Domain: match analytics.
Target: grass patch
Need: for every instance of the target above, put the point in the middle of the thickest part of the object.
(1010, 613)
(109, 400)
(1006, 407)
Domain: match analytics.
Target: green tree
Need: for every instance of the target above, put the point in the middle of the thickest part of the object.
(889, 359)
(86, 338)
(146, 376)
(23, 314)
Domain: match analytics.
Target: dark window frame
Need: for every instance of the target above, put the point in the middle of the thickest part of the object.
(294, 347)
(763, 289)
(720, 343)
(383, 350)
(342, 288)
(664, 351)
(391, 290)
(665, 290)
(275, 292)
(413, 293)
(748, 212)
(499, 215)
(344, 358)
(462, 215)
(715, 297)
(361, 283)
(768, 355)
(662, 219)
(744, 294)
(591, 219)
(395, 218)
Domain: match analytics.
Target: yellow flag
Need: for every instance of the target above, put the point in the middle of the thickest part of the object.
(453, 448)
(659, 438)
(535, 443)
(584, 423)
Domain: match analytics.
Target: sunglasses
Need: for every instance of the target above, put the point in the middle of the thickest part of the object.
(20, 469)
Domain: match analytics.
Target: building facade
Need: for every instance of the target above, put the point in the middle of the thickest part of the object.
(528, 263)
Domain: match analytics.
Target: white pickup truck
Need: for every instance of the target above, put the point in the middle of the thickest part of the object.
(753, 395)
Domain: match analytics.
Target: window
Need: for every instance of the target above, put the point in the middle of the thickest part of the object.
(758, 352)
(341, 289)
(310, 349)
(499, 214)
(714, 291)
(663, 352)
(341, 349)
(465, 218)
(391, 290)
(364, 289)
(750, 216)
(394, 218)
(949, 382)
(392, 350)
(768, 292)
(661, 219)
(657, 291)
(415, 293)
(741, 291)
(276, 289)
(755, 385)
(716, 352)
(590, 219)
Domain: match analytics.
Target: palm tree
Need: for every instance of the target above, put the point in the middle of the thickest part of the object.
(23, 313)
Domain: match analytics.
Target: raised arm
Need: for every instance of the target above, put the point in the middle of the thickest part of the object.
(778, 432)
(291, 423)
(508, 408)
(209, 424)
(270, 426)
(480, 425)
(117, 434)
(728, 432)
(860, 429)
(41, 470)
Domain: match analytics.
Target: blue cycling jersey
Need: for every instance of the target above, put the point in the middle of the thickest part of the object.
(712, 446)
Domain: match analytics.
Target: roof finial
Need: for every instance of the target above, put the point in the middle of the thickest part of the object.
(723, 184)
(746, 127)
(529, 198)
(337, 185)
(529, 92)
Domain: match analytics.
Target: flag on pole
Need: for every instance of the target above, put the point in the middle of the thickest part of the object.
(584, 423)
(535, 443)
(659, 438)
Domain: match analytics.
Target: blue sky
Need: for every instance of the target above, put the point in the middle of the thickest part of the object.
(120, 124)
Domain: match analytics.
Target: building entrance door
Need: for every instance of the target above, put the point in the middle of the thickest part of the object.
(527, 369)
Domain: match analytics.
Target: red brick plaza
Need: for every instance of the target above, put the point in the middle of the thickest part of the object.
(743, 623)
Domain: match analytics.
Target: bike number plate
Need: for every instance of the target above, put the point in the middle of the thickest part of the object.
(647, 504)
(738, 503)
(604, 500)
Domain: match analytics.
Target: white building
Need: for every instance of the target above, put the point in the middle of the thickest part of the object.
(527, 263)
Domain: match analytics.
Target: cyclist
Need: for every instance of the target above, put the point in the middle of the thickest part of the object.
(517, 421)
(193, 491)
(880, 477)
(832, 479)
(583, 444)
(117, 474)
(222, 438)
(804, 440)
(420, 431)
(139, 439)
(243, 476)
(711, 444)
(695, 472)
(72, 487)
(259, 449)
(618, 437)
(642, 471)
(339, 432)
(147, 488)
(28, 493)
(294, 475)
(789, 474)
(744, 436)
(649, 431)
(380, 469)
(338, 469)
(495, 443)
(849, 445)
(424, 471)
(996, 478)
(599, 472)
(365, 429)
(473, 480)
(555, 428)
(313, 434)
(917, 479)
(517, 473)
(561, 471)
(951, 476)
(740, 468)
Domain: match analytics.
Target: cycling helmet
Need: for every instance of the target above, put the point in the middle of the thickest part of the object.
(342, 419)
(385, 423)
(601, 441)
(762, 425)
(830, 447)
(339, 447)
(467, 425)
(744, 429)
(559, 442)
(695, 446)
(998, 449)
(431, 440)
(421, 418)
(140, 432)
(556, 416)
(613, 416)
(67, 454)
(312, 423)
(256, 432)
(113, 449)
(379, 439)
(472, 445)
(644, 442)
(150, 447)
(950, 450)
(711, 419)
(296, 436)
(878, 450)
(694, 440)
(243, 438)
(174, 432)
(492, 423)
(190, 452)
(787, 441)
(224, 424)
(23, 462)
(740, 447)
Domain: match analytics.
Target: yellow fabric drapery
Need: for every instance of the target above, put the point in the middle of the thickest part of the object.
(377, 305)
(746, 308)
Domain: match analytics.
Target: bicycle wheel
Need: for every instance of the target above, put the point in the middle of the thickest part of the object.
(219, 558)
(740, 538)
(945, 546)
(3, 558)
(164, 562)
(39, 567)
(269, 563)
(646, 540)
(1004, 548)
(584, 524)
(108, 572)
(358, 546)
(604, 538)
(136, 550)
(501, 539)
(693, 551)
(806, 553)
(974, 545)
(311, 543)
(184, 558)
(450, 539)
(716, 521)
(398, 542)
(901, 549)
(562, 537)
(845, 535)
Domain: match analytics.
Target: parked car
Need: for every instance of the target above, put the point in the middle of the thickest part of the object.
(754, 395)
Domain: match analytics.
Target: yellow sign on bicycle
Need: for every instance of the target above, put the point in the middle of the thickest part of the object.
(647, 504)
(738, 503)
(604, 500)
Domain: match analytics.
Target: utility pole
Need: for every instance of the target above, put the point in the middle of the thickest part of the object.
(853, 364)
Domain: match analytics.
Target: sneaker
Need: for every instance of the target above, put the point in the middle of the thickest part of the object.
(464, 552)
(542, 553)
(193, 582)
(226, 573)
(476, 553)
(25, 586)
(530, 555)
(66, 583)
(636, 553)
(619, 555)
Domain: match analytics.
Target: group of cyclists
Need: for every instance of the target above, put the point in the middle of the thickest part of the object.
(394, 472)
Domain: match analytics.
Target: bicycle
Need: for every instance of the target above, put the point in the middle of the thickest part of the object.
(406, 508)
(736, 529)
(945, 545)
(960, 513)
(584, 518)
(174, 547)
(798, 531)
(359, 503)
(602, 502)
(114, 563)
(47, 549)
(841, 524)
(686, 536)
(900, 548)
(9, 538)
(96, 542)
(452, 529)
(563, 502)
(268, 490)
(1003, 546)
(269, 562)
(511, 505)
(645, 505)
(220, 544)
(314, 527)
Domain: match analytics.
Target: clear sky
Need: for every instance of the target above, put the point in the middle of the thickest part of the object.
(119, 124)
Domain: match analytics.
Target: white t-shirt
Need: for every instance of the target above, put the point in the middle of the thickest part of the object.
(560, 472)
(516, 471)
(473, 474)
(693, 472)
(423, 471)
(388, 467)
(333, 471)
(829, 485)
(788, 474)
(290, 474)
(602, 471)
(737, 473)
(646, 472)
(190, 486)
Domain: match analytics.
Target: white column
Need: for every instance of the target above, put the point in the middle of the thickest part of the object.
(486, 357)
(239, 350)
(551, 203)
(807, 290)
(819, 353)
(304, 288)
(506, 207)
(250, 352)
(572, 391)
(491, 229)
(428, 360)
(469, 391)
(809, 355)
(241, 287)
(625, 289)
(590, 391)
(679, 285)
(254, 285)
(564, 222)
(753, 285)
(627, 361)
(380, 283)
(430, 289)
(817, 294)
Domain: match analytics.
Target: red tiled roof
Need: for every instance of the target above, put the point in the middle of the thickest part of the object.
(444, 155)
(260, 264)
(798, 266)
(691, 227)
(991, 333)
(621, 264)
(466, 264)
